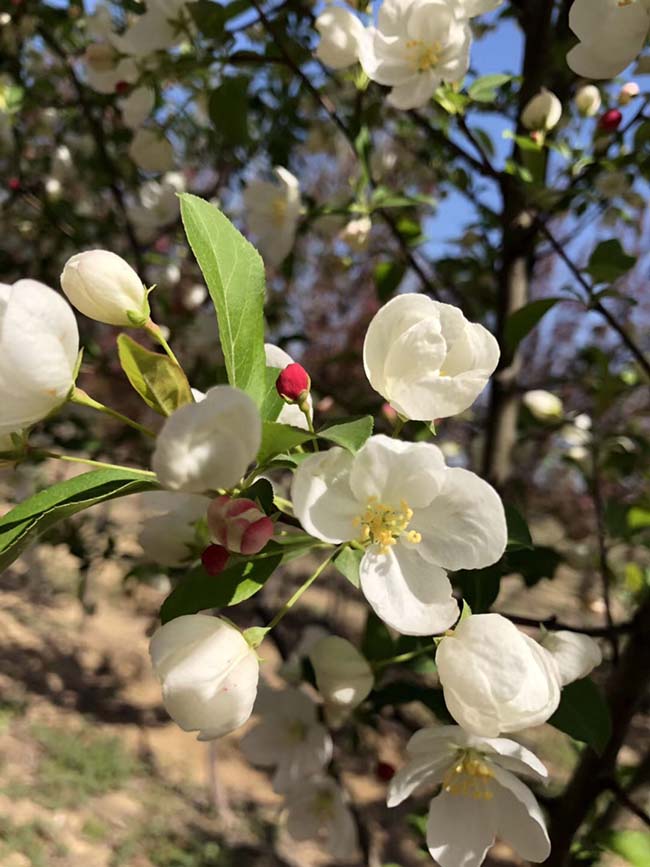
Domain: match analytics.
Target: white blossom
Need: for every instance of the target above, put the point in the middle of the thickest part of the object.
(628, 92)
(356, 233)
(102, 286)
(416, 45)
(481, 797)
(151, 151)
(317, 810)
(543, 112)
(291, 669)
(208, 445)
(137, 106)
(576, 655)
(158, 205)
(287, 737)
(341, 34)
(105, 69)
(343, 676)
(290, 413)
(543, 405)
(588, 100)
(472, 8)
(426, 359)
(272, 212)
(496, 678)
(39, 345)
(416, 517)
(611, 33)
(208, 674)
(169, 535)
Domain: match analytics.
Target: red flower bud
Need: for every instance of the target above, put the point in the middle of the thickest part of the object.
(214, 559)
(122, 87)
(611, 120)
(239, 525)
(14, 184)
(384, 772)
(293, 383)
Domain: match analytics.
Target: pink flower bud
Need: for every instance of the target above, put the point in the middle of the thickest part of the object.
(214, 559)
(239, 525)
(293, 383)
(384, 772)
(629, 91)
(611, 120)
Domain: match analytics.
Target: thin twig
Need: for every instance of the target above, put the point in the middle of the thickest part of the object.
(622, 796)
(605, 572)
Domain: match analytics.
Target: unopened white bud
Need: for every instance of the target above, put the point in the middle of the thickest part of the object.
(588, 100)
(102, 286)
(542, 112)
(629, 91)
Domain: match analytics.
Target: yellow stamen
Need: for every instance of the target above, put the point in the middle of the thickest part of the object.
(423, 57)
(470, 777)
(382, 524)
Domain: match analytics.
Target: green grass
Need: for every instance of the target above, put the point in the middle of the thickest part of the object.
(78, 765)
(164, 847)
(34, 839)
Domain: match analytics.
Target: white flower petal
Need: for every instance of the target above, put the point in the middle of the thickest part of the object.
(423, 770)
(465, 526)
(576, 655)
(406, 592)
(460, 830)
(322, 499)
(520, 819)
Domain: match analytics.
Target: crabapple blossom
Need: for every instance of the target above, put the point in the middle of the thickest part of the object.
(472, 8)
(208, 445)
(272, 212)
(543, 112)
(588, 100)
(481, 795)
(317, 810)
(416, 518)
(290, 413)
(157, 205)
(170, 536)
(137, 106)
(341, 34)
(543, 405)
(39, 345)
(239, 525)
(576, 655)
(611, 33)
(426, 359)
(496, 678)
(105, 69)
(291, 669)
(356, 233)
(287, 737)
(102, 286)
(151, 151)
(343, 676)
(416, 45)
(208, 674)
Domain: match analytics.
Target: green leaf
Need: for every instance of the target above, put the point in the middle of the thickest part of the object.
(228, 109)
(634, 846)
(518, 532)
(26, 522)
(234, 274)
(262, 492)
(522, 321)
(161, 384)
(609, 261)
(484, 89)
(583, 714)
(638, 518)
(272, 403)
(347, 562)
(377, 642)
(404, 693)
(480, 587)
(277, 438)
(236, 583)
(533, 564)
(349, 434)
(388, 276)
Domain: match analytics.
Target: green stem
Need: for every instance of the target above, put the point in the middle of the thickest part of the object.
(304, 408)
(45, 454)
(288, 605)
(82, 399)
(403, 657)
(154, 330)
(399, 424)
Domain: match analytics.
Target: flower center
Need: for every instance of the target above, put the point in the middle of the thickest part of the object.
(382, 524)
(422, 56)
(279, 208)
(323, 805)
(470, 777)
(297, 731)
